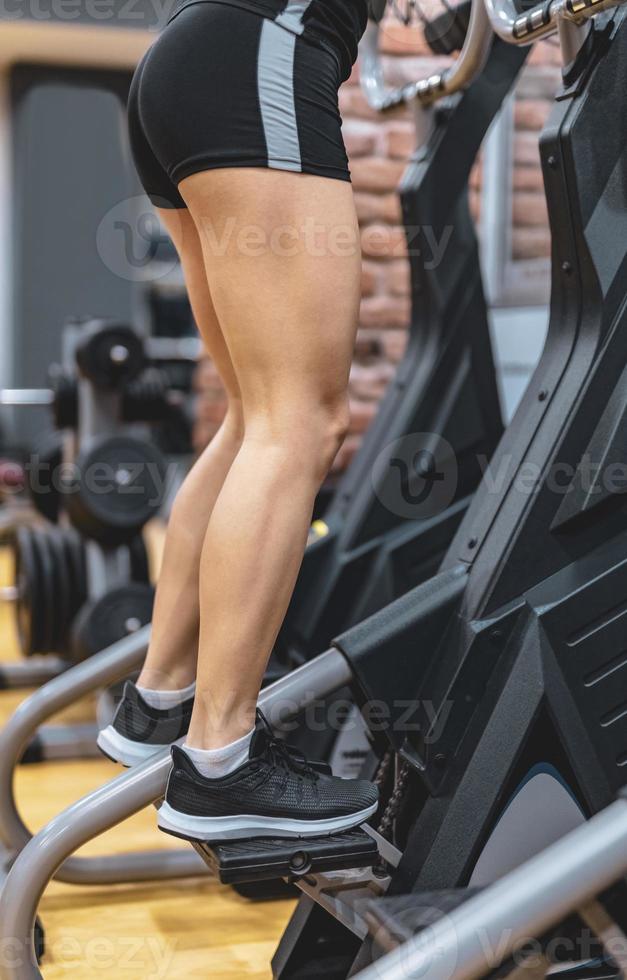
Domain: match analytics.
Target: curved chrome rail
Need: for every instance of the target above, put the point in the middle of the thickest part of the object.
(542, 20)
(457, 76)
(488, 17)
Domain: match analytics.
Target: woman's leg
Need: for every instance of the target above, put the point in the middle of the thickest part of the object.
(172, 657)
(283, 266)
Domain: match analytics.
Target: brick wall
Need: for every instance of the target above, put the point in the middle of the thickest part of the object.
(379, 148)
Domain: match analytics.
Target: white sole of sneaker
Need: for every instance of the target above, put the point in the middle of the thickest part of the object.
(243, 827)
(123, 750)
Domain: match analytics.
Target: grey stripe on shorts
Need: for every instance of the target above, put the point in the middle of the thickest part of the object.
(275, 81)
(292, 16)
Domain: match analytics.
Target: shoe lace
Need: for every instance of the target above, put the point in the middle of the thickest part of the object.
(284, 756)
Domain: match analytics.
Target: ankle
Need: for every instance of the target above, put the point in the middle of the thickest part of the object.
(173, 679)
(165, 700)
(218, 762)
(212, 740)
(220, 718)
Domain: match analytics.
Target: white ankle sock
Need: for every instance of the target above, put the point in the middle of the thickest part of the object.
(215, 763)
(166, 699)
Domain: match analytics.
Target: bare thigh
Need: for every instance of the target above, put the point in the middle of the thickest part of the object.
(282, 260)
(182, 230)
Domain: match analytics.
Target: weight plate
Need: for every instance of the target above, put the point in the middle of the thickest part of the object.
(65, 404)
(27, 616)
(140, 565)
(62, 588)
(41, 472)
(117, 614)
(121, 487)
(110, 353)
(47, 609)
(145, 399)
(77, 570)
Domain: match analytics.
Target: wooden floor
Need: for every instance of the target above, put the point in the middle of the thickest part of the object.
(157, 931)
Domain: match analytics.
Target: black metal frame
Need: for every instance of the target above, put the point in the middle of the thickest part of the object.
(445, 388)
(521, 635)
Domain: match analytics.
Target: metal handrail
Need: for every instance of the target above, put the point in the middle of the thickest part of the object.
(523, 905)
(102, 670)
(487, 17)
(49, 850)
(542, 20)
(426, 91)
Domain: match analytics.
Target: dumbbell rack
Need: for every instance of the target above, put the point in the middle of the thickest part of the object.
(109, 389)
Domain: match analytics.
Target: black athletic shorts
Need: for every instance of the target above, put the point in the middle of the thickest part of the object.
(225, 87)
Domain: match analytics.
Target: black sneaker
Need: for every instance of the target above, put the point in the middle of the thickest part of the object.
(276, 793)
(138, 730)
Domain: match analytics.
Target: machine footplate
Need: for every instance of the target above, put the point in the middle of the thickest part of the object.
(267, 858)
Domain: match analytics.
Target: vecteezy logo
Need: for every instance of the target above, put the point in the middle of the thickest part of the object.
(131, 242)
(435, 951)
(415, 477)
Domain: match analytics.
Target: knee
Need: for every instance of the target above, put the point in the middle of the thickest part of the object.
(307, 435)
(329, 430)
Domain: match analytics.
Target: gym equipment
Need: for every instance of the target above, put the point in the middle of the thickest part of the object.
(119, 488)
(103, 621)
(156, 395)
(109, 354)
(427, 91)
(112, 484)
(395, 511)
(52, 586)
(513, 652)
(478, 934)
(50, 577)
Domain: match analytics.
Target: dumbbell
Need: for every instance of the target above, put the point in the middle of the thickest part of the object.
(109, 354)
(118, 613)
(136, 471)
(118, 489)
(61, 397)
(147, 398)
(51, 591)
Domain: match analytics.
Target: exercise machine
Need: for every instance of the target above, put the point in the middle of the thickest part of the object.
(517, 925)
(514, 651)
(395, 511)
